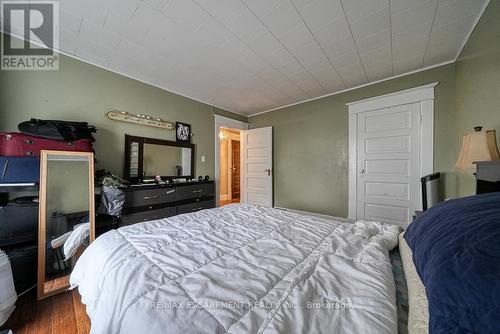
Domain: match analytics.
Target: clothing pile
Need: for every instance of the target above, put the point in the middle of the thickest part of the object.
(8, 294)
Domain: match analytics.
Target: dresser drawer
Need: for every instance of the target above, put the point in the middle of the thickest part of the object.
(150, 197)
(143, 216)
(193, 207)
(194, 191)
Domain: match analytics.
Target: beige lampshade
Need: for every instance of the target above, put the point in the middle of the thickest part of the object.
(477, 146)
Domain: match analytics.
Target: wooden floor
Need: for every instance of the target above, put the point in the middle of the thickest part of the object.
(62, 313)
(234, 200)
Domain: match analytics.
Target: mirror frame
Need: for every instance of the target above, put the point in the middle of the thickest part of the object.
(144, 140)
(42, 238)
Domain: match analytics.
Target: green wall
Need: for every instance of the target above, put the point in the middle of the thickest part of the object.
(478, 85)
(311, 142)
(82, 92)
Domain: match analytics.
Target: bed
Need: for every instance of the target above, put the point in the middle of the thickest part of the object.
(241, 269)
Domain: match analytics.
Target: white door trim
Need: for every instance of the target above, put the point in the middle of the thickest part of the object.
(223, 122)
(424, 95)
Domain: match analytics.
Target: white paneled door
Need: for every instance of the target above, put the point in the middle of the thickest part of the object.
(256, 166)
(388, 149)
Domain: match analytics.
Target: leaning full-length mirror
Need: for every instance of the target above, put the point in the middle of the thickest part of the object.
(66, 216)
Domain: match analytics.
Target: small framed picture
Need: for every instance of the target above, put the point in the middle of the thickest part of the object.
(183, 133)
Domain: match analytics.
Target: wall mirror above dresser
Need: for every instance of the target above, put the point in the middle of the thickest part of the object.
(146, 158)
(66, 216)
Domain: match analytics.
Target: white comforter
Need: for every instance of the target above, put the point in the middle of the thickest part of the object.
(240, 269)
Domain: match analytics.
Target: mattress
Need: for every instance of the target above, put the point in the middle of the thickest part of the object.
(240, 269)
(418, 315)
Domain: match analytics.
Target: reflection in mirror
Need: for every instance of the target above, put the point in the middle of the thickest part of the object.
(166, 160)
(66, 222)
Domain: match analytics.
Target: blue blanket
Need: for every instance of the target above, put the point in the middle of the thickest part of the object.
(456, 250)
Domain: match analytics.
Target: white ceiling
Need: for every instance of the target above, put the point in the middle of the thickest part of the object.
(250, 56)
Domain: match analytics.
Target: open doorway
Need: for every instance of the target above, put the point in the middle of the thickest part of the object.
(229, 166)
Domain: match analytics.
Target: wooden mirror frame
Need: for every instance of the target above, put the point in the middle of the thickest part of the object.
(42, 211)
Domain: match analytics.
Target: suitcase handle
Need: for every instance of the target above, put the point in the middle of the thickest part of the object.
(5, 169)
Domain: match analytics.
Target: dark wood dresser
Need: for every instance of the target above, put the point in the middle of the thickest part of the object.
(487, 176)
(150, 202)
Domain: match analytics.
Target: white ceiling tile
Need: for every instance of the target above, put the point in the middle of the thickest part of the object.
(85, 48)
(246, 26)
(317, 14)
(222, 10)
(279, 57)
(297, 37)
(453, 31)
(375, 41)
(265, 44)
(377, 71)
(290, 69)
(157, 4)
(213, 33)
(371, 24)
(333, 32)
(98, 35)
(282, 19)
(253, 55)
(416, 38)
(358, 9)
(318, 63)
(125, 8)
(307, 52)
(123, 26)
(398, 6)
(346, 60)
(186, 14)
(352, 75)
(413, 17)
(93, 10)
(343, 47)
(262, 8)
(457, 10)
(69, 22)
(373, 58)
(67, 41)
(407, 64)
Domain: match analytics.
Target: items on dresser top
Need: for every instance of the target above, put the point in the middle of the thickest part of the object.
(487, 176)
(150, 202)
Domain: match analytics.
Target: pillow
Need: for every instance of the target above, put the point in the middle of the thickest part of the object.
(456, 251)
(77, 238)
(418, 315)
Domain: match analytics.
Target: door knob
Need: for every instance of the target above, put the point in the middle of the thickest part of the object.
(362, 171)
(268, 171)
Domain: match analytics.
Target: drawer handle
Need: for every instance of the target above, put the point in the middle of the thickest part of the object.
(197, 191)
(151, 197)
(197, 209)
(170, 191)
